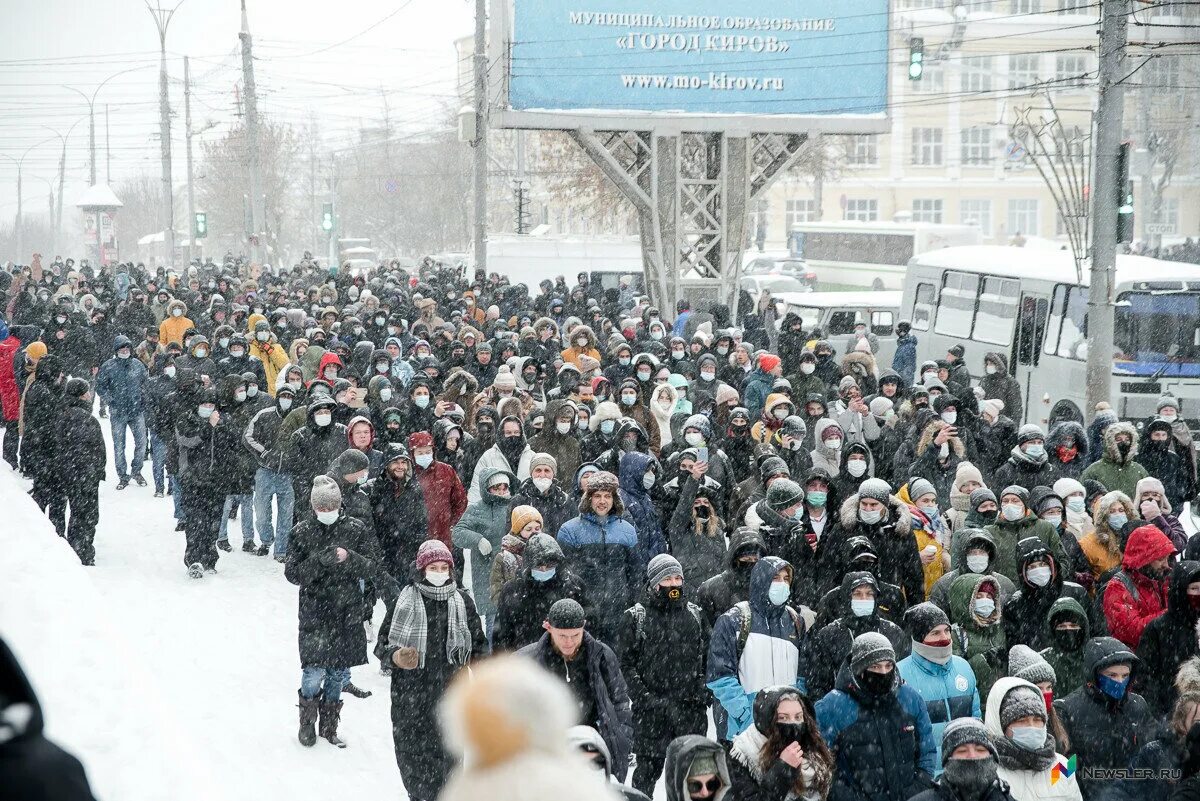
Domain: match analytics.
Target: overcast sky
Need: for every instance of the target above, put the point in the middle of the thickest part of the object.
(304, 67)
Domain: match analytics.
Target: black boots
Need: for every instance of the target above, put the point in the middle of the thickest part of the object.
(356, 691)
(331, 714)
(308, 720)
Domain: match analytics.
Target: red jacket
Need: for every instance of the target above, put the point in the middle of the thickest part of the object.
(10, 393)
(445, 498)
(1128, 613)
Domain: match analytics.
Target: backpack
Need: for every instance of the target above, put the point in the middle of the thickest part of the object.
(639, 619)
(743, 608)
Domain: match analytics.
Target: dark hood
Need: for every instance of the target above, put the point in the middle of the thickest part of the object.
(1182, 575)
(1068, 608)
(542, 549)
(121, 341)
(1101, 652)
(1067, 428)
(962, 544)
(48, 368)
(741, 539)
(634, 465)
(681, 753)
(760, 583)
(998, 359)
(1032, 549)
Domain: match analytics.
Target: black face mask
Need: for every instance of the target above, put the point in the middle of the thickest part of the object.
(739, 432)
(876, 683)
(672, 596)
(1068, 639)
(791, 732)
(1123, 448)
(972, 777)
(513, 442)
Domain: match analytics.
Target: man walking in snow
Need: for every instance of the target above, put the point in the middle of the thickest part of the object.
(119, 384)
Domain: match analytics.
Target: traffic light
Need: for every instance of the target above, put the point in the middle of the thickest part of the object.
(916, 58)
(200, 225)
(1124, 195)
(327, 216)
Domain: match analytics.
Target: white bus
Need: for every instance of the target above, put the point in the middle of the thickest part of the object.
(872, 255)
(1030, 306)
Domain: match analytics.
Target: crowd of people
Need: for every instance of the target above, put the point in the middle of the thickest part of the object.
(876, 579)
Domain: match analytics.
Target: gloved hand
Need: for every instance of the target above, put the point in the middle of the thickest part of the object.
(485, 547)
(1150, 509)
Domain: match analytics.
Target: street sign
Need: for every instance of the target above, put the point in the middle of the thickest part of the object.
(1160, 228)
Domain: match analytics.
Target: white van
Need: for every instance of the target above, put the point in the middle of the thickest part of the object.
(836, 314)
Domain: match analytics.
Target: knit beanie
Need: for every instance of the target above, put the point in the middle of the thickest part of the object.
(504, 378)
(918, 487)
(876, 489)
(325, 494)
(704, 764)
(967, 472)
(924, 618)
(1018, 490)
(768, 362)
(566, 613)
(433, 551)
(880, 406)
(991, 407)
(1166, 402)
(869, 648)
(348, 462)
(1029, 431)
(961, 731)
(662, 567)
(1026, 663)
(1021, 702)
(979, 496)
(1065, 487)
(543, 460)
(524, 515)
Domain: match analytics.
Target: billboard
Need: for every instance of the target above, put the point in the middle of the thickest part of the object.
(809, 60)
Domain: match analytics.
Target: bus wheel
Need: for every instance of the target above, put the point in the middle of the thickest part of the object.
(1063, 411)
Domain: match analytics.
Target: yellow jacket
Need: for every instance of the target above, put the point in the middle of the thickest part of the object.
(271, 353)
(171, 328)
(936, 568)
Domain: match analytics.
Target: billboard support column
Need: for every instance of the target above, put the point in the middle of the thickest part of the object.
(737, 204)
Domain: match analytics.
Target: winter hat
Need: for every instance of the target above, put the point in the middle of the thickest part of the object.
(419, 439)
(991, 407)
(880, 406)
(543, 460)
(498, 478)
(1092, 488)
(433, 551)
(918, 487)
(1149, 484)
(587, 364)
(1018, 490)
(961, 731)
(704, 764)
(924, 618)
(1166, 401)
(35, 351)
(522, 516)
(566, 613)
(967, 472)
(1021, 701)
(348, 462)
(504, 378)
(662, 567)
(325, 494)
(979, 496)
(1026, 663)
(1105, 416)
(958, 351)
(76, 388)
(783, 493)
(869, 648)
(768, 362)
(773, 466)
(725, 393)
(846, 383)
(1029, 431)
(876, 489)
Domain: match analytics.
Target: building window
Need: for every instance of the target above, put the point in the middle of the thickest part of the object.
(997, 310)
(1023, 217)
(977, 213)
(1023, 71)
(932, 80)
(862, 149)
(1026, 6)
(924, 3)
(1076, 7)
(977, 145)
(1070, 70)
(977, 74)
(927, 210)
(927, 146)
(1168, 216)
(1163, 73)
(800, 211)
(862, 210)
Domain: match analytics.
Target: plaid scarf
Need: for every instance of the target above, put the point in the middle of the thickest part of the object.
(409, 624)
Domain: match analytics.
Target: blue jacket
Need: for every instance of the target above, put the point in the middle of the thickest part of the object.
(605, 558)
(639, 506)
(121, 381)
(773, 653)
(949, 691)
(905, 360)
(755, 389)
(882, 744)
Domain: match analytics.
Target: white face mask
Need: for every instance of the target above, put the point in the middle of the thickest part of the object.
(581, 342)
(251, 390)
(808, 368)
(224, 342)
(781, 414)
(263, 336)
(436, 579)
(694, 438)
(929, 375)
(331, 373)
(236, 353)
(385, 394)
(176, 312)
(833, 444)
(423, 460)
(648, 480)
(990, 369)
(870, 517)
(169, 371)
(562, 428)
(707, 375)
(381, 367)
(201, 353)
(856, 467)
(1168, 416)
(295, 385)
(328, 518)
(285, 404)
(240, 396)
(323, 419)
(542, 483)
(977, 563)
(950, 417)
(1038, 576)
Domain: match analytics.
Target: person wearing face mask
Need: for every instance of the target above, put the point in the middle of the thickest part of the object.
(430, 634)
(1169, 640)
(938, 452)
(1042, 584)
(969, 766)
(1181, 441)
(159, 422)
(582, 343)
(972, 551)
(1016, 719)
(756, 644)
(732, 586)
(1156, 453)
(929, 529)
(858, 612)
(878, 727)
(398, 510)
(240, 464)
(1077, 519)
(857, 465)
(1067, 449)
(1137, 593)
(629, 397)
(756, 387)
(975, 611)
(1111, 514)
(696, 529)
(1050, 508)
(1014, 523)
(524, 601)
(997, 384)
(240, 361)
(445, 495)
(706, 377)
(198, 357)
(545, 493)
(480, 531)
(782, 755)
(270, 479)
(946, 682)
(205, 437)
(419, 410)
(873, 512)
(526, 523)
(778, 407)
(175, 323)
(1118, 468)
(662, 643)
(804, 378)
(311, 448)
(510, 453)
(1105, 719)
(829, 439)
(1028, 463)
(80, 468)
(558, 436)
(603, 428)
(121, 383)
(967, 479)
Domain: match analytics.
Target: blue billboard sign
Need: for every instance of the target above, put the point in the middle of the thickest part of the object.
(703, 57)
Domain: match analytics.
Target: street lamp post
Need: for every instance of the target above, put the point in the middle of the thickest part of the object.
(56, 214)
(91, 101)
(20, 162)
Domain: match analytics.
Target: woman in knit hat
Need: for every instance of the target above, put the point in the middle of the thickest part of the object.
(782, 755)
(929, 529)
(429, 635)
(1026, 663)
(1016, 718)
(968, 765)
(967, 479)
(1076, 517)
(526, 521)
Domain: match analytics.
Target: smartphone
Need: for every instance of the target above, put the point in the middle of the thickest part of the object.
(702, 454)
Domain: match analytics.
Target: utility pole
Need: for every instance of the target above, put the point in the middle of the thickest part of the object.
(520, 190)
(107, 150)
(257, 212)
(1110, 114)
(187, 128)
(481, 136)
(162, 20)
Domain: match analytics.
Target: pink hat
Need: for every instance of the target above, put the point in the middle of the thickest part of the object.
(433, 551)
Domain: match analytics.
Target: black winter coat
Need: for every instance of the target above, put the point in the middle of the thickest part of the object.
(400, 521)
(82, 458)
(731, 586)
(158, 411)
(942, 791)
(554, 506)
(43, 405)
(309, 453)
(828, 648)
(1167, 642)
(899, 561)
(524, 603)
(331, 633)
(1024, 474)
(204, 453)
(1163, 754)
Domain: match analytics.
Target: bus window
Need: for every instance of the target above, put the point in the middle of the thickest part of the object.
(1032, 328)
(956, 310)
(997, 310)
(881, 323)
(922, 312)
(1056, 318)
(1157, 333)
(841, 322)
(1072, 342)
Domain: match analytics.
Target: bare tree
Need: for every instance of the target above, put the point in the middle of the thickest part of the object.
(141, 213)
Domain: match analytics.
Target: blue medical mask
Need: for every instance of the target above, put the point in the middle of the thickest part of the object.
(984, 607)
(629, 400)
(816, 498)
(779, 592)
(607, 426)
(421, 401)
(862, 607)
(543, 575)
(929, 511)
(1036, 451)
(1117, 521)
(1076, 504)
(1031, 738)
(1111, 687)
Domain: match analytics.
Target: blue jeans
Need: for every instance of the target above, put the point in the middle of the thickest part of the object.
(137, 424)
(268, 483)
(311, 679)
(245, 512)
(158, 460)
(177, 498)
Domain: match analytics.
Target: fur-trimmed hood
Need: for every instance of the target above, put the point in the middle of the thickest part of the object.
(1110, 442)
(931, 431)
(898, 514)
(859, 364)
(1104, 533)
(1063, 430)
(583, 331)
(1187, 678)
